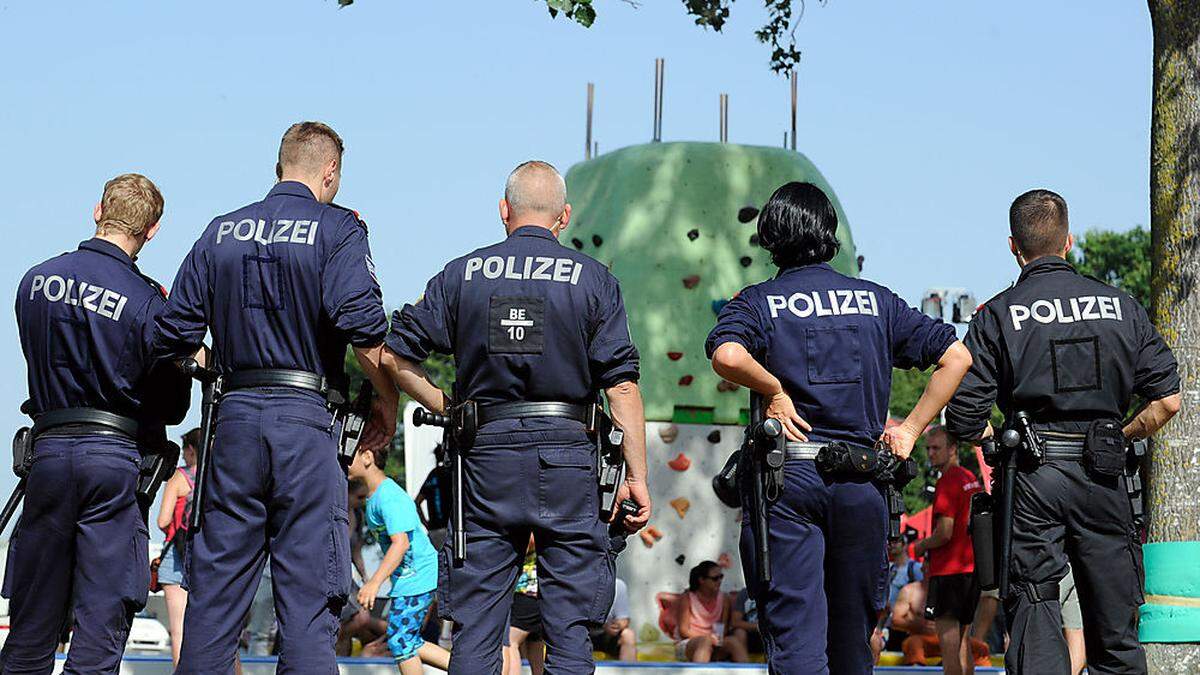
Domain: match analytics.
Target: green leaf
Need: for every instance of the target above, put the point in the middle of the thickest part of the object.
(564, 6)
(585, 15)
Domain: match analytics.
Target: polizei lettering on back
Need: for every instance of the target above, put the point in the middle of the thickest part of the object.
(280, 231)
(537, 268)
(1067, 310)
(825, 303)
(102, 301)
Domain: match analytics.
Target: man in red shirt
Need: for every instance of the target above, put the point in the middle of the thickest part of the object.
(953, 589)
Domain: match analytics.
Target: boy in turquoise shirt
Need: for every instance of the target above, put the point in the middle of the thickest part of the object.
(408, 558)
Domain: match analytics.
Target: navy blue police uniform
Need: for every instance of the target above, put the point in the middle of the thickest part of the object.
(527, 320)
(85, 320)
(1068, 351)
(283, 285)
(832, 340)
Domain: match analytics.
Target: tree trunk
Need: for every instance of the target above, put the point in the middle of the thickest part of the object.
(1175, 213)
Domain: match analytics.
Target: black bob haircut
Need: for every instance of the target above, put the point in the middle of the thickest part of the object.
(798, 226)
(699, 572)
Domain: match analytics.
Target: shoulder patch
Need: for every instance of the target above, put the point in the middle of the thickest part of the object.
(357, 218)
(162, 290)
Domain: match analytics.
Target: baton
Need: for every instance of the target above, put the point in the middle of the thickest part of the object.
(10, 507)
(210, 393)
(458, 543)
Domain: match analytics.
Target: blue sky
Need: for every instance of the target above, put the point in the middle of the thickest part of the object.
(926, 117)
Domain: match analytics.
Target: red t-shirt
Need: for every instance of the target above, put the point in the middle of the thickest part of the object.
(952, 498)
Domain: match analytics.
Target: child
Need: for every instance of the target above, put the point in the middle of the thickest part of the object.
(408, 558)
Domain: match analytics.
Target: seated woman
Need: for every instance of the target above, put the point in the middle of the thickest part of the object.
(701, 614)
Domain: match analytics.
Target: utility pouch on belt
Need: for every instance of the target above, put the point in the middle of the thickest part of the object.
(983, 542)
(725, 483)
(611, 460)
(1104, 448)
(22, 452)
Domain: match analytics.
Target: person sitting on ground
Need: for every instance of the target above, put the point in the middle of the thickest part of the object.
(408, 558)
(743, 622)
(526, 637)
(701, 614)
(616, 638)
(902, 571)
(173, 520)
(357, 622)
(908, 615)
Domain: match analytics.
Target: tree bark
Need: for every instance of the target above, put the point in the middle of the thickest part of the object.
(1174, 477)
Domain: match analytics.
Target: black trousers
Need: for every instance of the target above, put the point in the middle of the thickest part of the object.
(1062, 514)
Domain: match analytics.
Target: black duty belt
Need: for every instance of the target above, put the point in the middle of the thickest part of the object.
(495, 412)
(260, 378)
(84, 421)
(802, 450)
(1057, 448)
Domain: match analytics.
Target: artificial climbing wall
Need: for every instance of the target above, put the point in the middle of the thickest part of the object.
(676, 224)
(689, 524)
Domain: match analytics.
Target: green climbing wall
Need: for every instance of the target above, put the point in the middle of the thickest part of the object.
(640, 203)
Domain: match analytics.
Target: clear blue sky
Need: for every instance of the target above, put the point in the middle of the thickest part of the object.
(927, 117)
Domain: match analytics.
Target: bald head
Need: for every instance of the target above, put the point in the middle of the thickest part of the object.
(535, 190)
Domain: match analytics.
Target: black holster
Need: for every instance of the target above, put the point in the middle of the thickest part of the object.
(611, 459)
(353, 418)
(983, 543)
(156, 466)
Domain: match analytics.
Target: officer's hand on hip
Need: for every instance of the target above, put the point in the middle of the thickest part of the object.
(900, 439)
(637, 491)
(780, 407)
(382, 426)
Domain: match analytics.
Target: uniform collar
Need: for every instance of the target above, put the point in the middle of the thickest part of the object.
(533, 231)
(1045, 264)
(292, 189)
(107, 248)
(824, 267)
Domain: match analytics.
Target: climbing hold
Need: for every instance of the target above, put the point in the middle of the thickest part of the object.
(725, 560)
(690, 282)
(718, 305)
(647, 539)
(669, 433)
(727, 386)
(680, 559)
(747, 214)
(693, 234)
(654, 532)
(674, 356)
(681, 505)
(714, 436)
(680, 463)
(754, 240)
(575, 241)
(746, 261)
(686, 380)
(597, 240)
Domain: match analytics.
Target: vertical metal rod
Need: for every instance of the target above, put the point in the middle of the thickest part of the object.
(659, 73)
(724, 118)
(587, 145)
(785, 140)
(794, 78)
(596, 149)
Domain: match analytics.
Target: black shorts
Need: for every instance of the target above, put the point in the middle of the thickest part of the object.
(603, 641)
(527, 615)
(953, 595)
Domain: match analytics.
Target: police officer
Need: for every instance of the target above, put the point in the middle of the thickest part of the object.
(820, 347)
(85, 320)
(537, 330)
(1070, 352)
(283, 284)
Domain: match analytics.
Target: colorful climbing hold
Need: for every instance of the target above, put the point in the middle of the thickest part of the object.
(674, 356)
(714, 436)
(746, 261)
(681, 506)
(727, 386)
(725, 560)
(691, 281)
(669, 433)
(597, 240)
(686, 381)
(718, 305)
(577, 243)
(693, 234)
(654, 532)
(747, 214)
(647, 539)
(680, 463)
(680, 559)
(754, 240)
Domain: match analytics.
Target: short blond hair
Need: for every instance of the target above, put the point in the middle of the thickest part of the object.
(131, 204)
(308, 146)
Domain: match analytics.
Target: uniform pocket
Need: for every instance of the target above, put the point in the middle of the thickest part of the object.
(262, 283)
(1139, 568)
(337, 570)
(1076, 364)
(567, 483)
(843, 341)
(323, 425)
(606, 580)
(137, 575)
(10, 567)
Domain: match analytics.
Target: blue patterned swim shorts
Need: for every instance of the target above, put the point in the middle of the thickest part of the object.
(404, 624)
